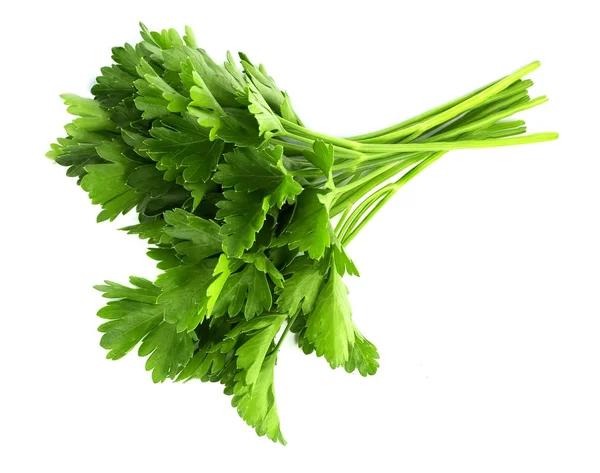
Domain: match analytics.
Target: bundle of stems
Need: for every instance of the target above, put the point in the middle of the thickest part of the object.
(364, 162)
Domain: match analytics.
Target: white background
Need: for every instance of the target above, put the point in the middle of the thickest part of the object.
(480, 279)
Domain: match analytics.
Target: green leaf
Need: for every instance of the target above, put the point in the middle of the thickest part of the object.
(164, 40)
(244, 215)
(257, 406)
(308, 230)
(263, 83)
(93, 117)
(151, 231)
(75, 154)
(207, 108)
(287, 111)
(118, 152)
(147, 180)
(151, 207)
(130, 322)
(85, 134)
(131, 318)
(251, 169)
(202, 237)
(207, 361)
(169, 351)
(175, 102)
(329, 326)
(363, 356)
(321, 157)
(116, 82)
(264, 264)
(343, 263)
(184, 298)
(221, 273)
(251, 353)
(276, 99)
(167, 257)
(129, 118)
(300, 291)
(181, 145)
(268, 121)
(149, 99)
(143, 290)
(199, 190)
(107, 186)
(247, 289)
(211, 362)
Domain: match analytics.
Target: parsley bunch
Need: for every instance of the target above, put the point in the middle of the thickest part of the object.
(236, 198)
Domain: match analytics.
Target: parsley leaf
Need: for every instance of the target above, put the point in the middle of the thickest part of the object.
(363, 356)
(252, 352)
(107, 186)
(250, 169)
(169, 351)
(321, 156)
(201, 237)
(144, 290)
(116, 82)
(244, 216)
(131, 318)
(277, 100)
(184, 299)
(246, 289)
(257, 406)
(180, 146)
(329, 326)
(309, 228)
(302, 288)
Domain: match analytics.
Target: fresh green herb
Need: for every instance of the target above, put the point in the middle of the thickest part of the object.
(247, 211)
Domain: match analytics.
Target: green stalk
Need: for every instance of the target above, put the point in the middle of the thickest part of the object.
(352, 219)
(421, 127)
(434, 146)
(393, 188)
(510, 96)
(284, 334)
(487, 135)
(353, 197)
(418, 118)
(491, 119)
(407, 147)
(359, 182)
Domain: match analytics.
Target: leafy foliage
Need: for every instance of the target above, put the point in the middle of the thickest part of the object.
(236, 199)
(329, 326)
(309, 230)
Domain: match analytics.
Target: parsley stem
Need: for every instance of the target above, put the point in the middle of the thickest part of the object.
(362, 164)
(493, 106)
(358, 182)
(302, 136)
(301, 147)
(393, 188)
(433, 146)
(509, 96)
(354, 217)
(473, 115)
(284, 334)
(420, 127)
(420, 117)
(491, 119)
(501, 133)
(357, 194)
(339, 226)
